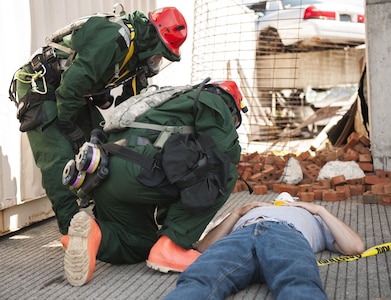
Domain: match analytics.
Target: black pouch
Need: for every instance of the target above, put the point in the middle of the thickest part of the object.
(201, 197)
(156, 178)
(31, 113)
(197, 168)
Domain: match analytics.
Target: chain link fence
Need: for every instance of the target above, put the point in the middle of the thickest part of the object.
(296, 78)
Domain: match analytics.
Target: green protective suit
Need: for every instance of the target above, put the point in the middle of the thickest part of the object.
(125, 208)
(99, 47)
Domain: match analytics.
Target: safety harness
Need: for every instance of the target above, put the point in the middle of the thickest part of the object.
(45, 60)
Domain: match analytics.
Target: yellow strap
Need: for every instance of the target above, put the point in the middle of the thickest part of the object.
(127, 57)
(134, 86)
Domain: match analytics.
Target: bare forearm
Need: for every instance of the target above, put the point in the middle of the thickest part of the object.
(218, 232)
(347, 241)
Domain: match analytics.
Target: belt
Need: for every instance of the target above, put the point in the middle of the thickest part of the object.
(248, 223)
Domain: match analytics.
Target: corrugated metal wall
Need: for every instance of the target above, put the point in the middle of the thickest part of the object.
(24, 25)
(50, 15)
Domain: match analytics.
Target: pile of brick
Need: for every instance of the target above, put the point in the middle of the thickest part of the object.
(262, 172)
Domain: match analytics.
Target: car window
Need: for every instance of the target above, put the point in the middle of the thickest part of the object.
(257, 6)
(291, 3)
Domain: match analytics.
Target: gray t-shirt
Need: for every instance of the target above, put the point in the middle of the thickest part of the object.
(313, 228)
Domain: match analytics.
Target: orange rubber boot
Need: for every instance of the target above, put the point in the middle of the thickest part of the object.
(167, 256)
(80, 255)
(65, 241)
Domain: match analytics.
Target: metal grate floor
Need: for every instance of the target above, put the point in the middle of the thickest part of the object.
(31, 263)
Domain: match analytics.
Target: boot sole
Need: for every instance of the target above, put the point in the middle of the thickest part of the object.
(161, 268)
(76, 259)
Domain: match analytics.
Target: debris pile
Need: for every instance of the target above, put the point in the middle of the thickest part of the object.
(332, 174)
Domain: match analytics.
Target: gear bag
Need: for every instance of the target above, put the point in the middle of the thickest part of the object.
(189, 167)
(197, 169)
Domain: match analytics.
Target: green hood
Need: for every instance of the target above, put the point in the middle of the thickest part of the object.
(147, 41)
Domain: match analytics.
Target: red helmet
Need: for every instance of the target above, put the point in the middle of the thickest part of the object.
(171, 26)
(231, 88)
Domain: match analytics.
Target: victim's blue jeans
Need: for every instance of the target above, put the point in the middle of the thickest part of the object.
(267, 251)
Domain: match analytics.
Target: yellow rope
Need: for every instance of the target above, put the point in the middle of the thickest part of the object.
(22, 76)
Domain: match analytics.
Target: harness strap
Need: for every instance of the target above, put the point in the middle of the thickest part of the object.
(171, 129)
(128, 154)
(116, 77)
(60, 47)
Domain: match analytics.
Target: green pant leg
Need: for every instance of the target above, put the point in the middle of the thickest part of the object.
(124, 210)
(185, 229)
(127, 233)
(122, 184)
(51, 152)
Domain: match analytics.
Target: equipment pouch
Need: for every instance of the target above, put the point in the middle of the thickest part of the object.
(30, 113)
(197, 169)
(156, 179)
(200, 197)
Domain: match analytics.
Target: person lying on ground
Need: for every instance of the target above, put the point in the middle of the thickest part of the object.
(260, 242)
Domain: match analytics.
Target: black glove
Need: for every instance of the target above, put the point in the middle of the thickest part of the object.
(74, 134)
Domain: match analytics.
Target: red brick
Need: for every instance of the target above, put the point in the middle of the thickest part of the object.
(360, 148)
(255, 177)
(289, 188)
(364, 140)
(257, 167)
(268, 169)
(270, 159)
(343, 188)
(366, 167)
(304, 156)
(338, 180)
(276, 188)
(325, 183)
(373, 179)
(383, 174)
(352, 141)
(306, 180)
(387, 200)
(260, 189)
(246, 174)
(304, 188)
(377, 189)
(253, 157)
(331, 195)
(356, 189)
(351, 155)
(365, 158)
(306, 196)
(318, 194)
(355, 181)
(238, 187)
(280, 162)
(242, 166)
(329, 155)
(387, 188)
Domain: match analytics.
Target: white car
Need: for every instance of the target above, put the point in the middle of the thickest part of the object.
(302, 25)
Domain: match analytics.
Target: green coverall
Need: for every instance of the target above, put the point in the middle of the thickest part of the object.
(124, 208)
(99, 47)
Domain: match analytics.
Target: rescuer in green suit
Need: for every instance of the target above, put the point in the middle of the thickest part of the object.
(59, 90)
(169, 170)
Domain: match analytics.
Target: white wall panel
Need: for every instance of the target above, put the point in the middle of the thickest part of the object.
(24, 25)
